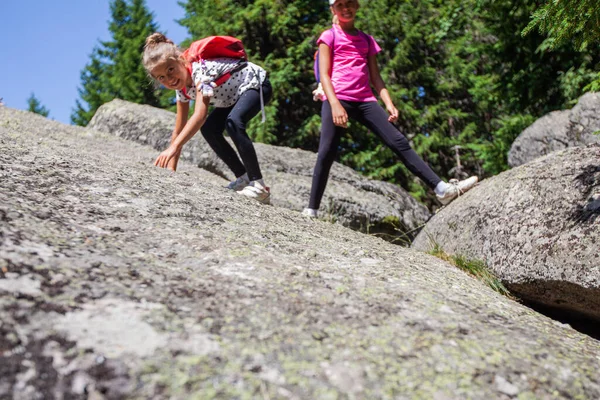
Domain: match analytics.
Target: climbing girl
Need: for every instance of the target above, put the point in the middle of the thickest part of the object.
(238, 90)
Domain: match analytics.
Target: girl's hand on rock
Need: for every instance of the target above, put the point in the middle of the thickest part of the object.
(166, 156)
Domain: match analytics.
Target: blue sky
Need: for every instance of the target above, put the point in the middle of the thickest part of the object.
(51, 42)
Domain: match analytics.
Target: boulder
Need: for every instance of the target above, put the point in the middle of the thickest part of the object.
(585, 117)
(558, 130)
(119, 280)
(536, 226)
(376, 207)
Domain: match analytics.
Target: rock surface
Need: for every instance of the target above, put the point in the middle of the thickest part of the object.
(350, 199)
(558, 130)
(536, 226)
(120, 280)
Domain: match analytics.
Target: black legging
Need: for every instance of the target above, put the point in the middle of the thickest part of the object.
(234, 119)
(375, 118)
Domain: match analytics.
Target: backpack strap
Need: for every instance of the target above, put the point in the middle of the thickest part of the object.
(184, 90)
(185, 94)
(220, 79)
(225, 77)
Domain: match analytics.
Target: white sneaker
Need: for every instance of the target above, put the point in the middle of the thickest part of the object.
(310, 212)
(456, 188)
(258, 192)
(239, 183)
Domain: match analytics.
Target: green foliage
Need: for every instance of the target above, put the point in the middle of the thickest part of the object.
(35, 106)
(576, 21)
(576, 81)
(94, 89)
(594, 86)
(115, 70)
(494, 153)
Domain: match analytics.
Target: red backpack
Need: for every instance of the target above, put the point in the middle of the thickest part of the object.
(216, 47)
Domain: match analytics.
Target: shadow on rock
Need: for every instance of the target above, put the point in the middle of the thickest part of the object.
(589, 182)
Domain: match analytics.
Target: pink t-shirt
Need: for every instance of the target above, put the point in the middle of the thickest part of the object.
(350, 70)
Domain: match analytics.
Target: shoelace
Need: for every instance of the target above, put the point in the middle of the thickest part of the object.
(237, 182)
(455, 183)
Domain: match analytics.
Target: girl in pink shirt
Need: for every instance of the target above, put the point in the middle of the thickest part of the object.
(347, 68)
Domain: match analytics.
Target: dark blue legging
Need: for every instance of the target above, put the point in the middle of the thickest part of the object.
(375, 118)
(234, 119)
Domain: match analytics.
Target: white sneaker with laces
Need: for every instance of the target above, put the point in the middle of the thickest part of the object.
(238, 184)
(456, 188)
(310, 212)
(258, 192)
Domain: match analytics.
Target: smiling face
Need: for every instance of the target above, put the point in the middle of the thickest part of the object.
(172, 74)
(345, 10)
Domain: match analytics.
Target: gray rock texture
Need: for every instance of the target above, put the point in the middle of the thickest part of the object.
(537, 227)
(350, 199)
(558, 130)
(121, 280)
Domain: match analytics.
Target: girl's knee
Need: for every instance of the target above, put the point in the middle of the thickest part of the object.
(401, 139)
(234, 124)
(396, 139)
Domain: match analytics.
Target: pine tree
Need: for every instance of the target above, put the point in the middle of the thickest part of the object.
(576, 21)
(115, 69)
(566, 22)
(36, 106)
(95, 89)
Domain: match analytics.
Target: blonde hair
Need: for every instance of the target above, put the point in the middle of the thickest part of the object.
(157, 50)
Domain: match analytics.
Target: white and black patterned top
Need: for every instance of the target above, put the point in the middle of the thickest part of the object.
(249, 77)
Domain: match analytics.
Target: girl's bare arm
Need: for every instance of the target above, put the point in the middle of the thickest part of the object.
(187, 132)
(195, 123)
(180, 121)
(380, 88)
(340, 117)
